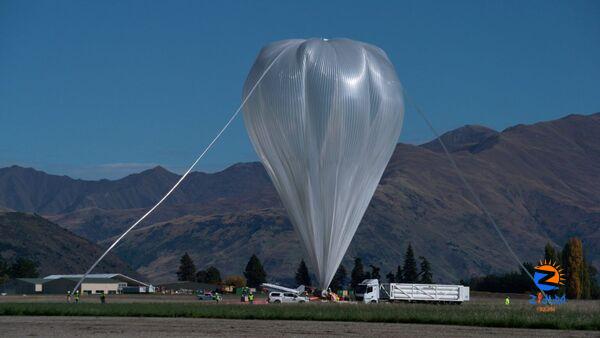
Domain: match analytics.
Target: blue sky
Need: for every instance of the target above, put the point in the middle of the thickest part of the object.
(106, 88)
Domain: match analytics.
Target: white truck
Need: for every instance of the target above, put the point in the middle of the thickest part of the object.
(370, 291)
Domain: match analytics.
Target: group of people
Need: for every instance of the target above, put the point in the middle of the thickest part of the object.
(247, 295)
(76, 297)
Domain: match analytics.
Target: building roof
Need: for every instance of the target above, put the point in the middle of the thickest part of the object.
(98, 276)
(95, 280)
(33, 280)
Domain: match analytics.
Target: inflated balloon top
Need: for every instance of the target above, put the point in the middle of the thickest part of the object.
(324, 121)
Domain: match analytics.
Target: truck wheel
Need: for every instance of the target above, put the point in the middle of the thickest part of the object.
(301, 302)
(373, 302)
(277, 301)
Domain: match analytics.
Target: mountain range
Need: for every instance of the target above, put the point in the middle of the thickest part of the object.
(54, 249)
(541, 183)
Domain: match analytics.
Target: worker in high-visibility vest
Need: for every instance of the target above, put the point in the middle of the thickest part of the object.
(76, 296)
(507, 300)
(251, 298)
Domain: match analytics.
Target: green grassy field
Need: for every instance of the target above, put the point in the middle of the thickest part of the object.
(578, 316)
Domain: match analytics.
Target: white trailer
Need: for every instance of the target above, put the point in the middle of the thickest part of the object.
(370, 291)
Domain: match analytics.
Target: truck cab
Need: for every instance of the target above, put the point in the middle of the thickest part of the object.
(367, 291)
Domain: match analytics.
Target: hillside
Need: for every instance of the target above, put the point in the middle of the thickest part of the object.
(56, 250)
(539, 181)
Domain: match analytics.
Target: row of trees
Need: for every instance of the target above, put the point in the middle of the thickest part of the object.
(512, 282)
(187, 272)
(405, 273)
(20, 268)
(254, 274)
(338, 282)
(580, 276)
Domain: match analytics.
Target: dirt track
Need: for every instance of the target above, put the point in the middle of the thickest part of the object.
(190, 327)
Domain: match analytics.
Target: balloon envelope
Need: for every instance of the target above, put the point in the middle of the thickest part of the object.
(324, 121)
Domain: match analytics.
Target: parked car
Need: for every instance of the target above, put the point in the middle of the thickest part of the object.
(205, 295)
(286, 297)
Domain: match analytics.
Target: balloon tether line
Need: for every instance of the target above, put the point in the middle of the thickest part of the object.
(466, 183)
(182, 177)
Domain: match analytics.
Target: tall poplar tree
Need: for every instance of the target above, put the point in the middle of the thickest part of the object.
(550, 254)
(574, 265)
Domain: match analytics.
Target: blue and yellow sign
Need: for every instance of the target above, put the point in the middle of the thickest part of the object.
(548, 276)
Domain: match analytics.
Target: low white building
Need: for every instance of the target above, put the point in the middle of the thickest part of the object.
(108, 283)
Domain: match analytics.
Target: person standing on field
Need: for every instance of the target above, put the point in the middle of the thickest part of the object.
(507, 300)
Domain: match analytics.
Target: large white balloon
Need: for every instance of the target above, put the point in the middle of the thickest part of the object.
(324, 122)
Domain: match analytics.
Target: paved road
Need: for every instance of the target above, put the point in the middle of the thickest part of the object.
(191, 327)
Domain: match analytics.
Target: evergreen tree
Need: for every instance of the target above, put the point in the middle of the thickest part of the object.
(375, 272)
(211, 275)
(201, 276)
(302, 277)
(254, 272)
(23, 268)
(391, 278)
(409, 269)
(399, 275)
(358, 274)
(426, 276)
(187, 269)
(339, 279)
